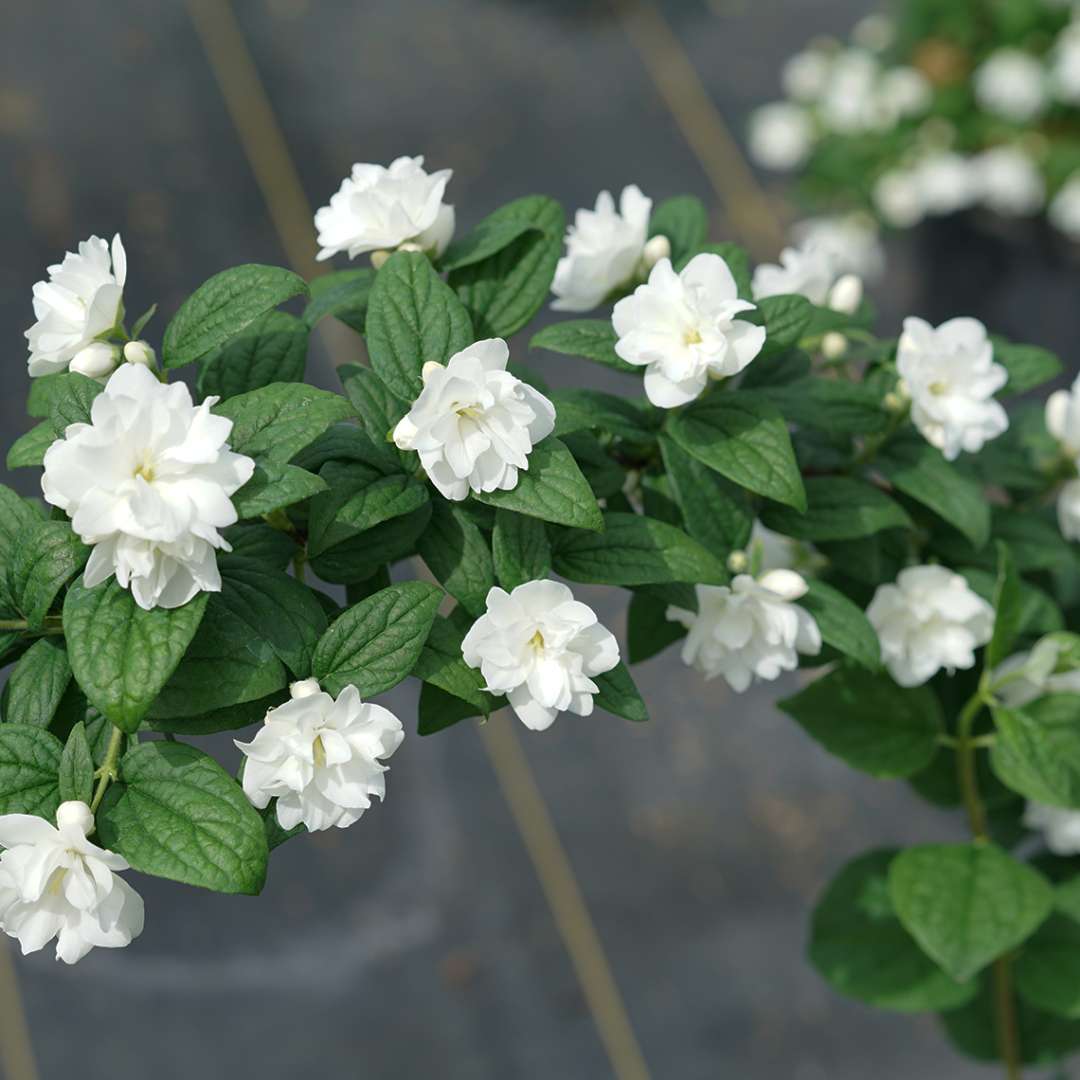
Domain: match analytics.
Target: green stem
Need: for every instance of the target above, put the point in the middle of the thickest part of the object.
(52, 624)
(107, 773)
(965, 766)
(299, 561)
(1008, 1031)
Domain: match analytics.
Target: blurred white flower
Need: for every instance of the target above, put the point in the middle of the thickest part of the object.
(1060, 827)
(1064, 209)
(904, 91)
(946, 183)
(474, 424)
(852, 240)
(320, 757)
(950, 375)
(147, 483)
(379, 207)
(774, 551)
(54, 883)
(82, 300)
(540, 647)
(752, 629)
(929, 620)
(683, 329)
(1068, 509)
(1062, 414)
(1028, 675)
(1065, 65)
(603, 250)
(850, 104)
(780, 135)
(846, 295)
(96, 360)
(809, 271)
(805, 75)
(875, 32)
(1008, 181)
(898, 199)
(1011, 84)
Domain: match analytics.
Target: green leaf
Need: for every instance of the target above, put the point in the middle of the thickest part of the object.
(488, 238)
(377, 642)
(619, 695)
(222, 307)
(869, 721)
(635, 550)
(358, 498)
(742, 437)
(918, 470)
(592, 339)
(553, 488)
(1037, 749)
(605, 476)
(842, 624)
(684, 221)
(225, 664)
(378, 409)
(17, 515)
(281, 610)
(71, 400)
(177, 814)
(122, 655)
(504, 291)
(413, 317)
(1008, 608)
(520, 549)
(838, 508)
(859, 947)
(1047, 965)
(276, 422)
(1028, 366)
(967, 904)
(29, 768)
(29, 449)
(356, 559)
(439, 710)
(76, 771)
(648, 630)
(831, 405)
(343, 294)
(786, 319)
(273, 349)
(458, 555)
(440, 664)
(42, 388)
(37, 684)
(273, 486)
(44, 559)
(227, 718)
(577, 410)
(1038, 614)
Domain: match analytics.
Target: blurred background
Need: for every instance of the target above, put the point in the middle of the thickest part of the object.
(597, 901)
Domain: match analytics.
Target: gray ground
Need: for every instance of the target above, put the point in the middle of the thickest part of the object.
(418, 943)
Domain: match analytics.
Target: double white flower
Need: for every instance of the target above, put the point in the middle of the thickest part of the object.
(605, 249)
(929, 620)
(1012, 84)
(540, 647)
(147, 484)
(320, 757)
(752, 629)
(950, 375)
(82, 300)
(683, 329)
(379, 208)
(55, 883)
(474, 424)
(1059, 825)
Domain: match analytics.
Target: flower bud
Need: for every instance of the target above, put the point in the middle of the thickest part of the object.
(846, 295)
(96, 360)
(893, 402)
(659, 247)
(833, 345)
(378, 258)
(304, 688)
(738, 562)
(75, 813)
(139, 352)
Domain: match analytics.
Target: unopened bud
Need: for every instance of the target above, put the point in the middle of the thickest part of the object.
(738, 562)
(139, 352)
(96, 360)
(74, 813)
(893, 402)
(846, 295)
(833, 345)
(659, 247)
(378, 258)
(304, 688)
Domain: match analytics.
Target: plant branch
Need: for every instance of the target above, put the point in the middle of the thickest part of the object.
(107, 773)
(52, 624)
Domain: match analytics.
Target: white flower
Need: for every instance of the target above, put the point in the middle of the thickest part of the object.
(850, 103)
(147, 483)
(320, 757)
(682, 328)
(846, 295)
(474, 424)
(1008, 181)
(809, 270)
(946, 183)
(875, 32)
(904, 91)
(96, 361)
(1065, 65)
(1068, 510)
(929, 620)
(851, 239)
(1060, 827)
(82, 300)
(1063, 418)
(951, 376)
(54, 883)
(805, 75)
(603, 250)
(540, 647)
(1064, 208)
(752, 629)
(378, 208)
(1028, 675)
(780, 135)
(1011, 84)
(898, 198)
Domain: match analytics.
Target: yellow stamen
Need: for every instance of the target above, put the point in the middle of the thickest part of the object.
(692, 337)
